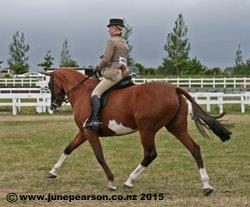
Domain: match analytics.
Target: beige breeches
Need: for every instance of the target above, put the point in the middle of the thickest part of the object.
(105, 84)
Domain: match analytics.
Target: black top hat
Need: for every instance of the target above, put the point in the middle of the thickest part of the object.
(116, 22)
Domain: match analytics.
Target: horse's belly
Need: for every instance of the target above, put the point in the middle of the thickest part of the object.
(119, 128)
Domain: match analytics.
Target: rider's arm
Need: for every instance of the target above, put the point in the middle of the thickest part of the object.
(109, 51)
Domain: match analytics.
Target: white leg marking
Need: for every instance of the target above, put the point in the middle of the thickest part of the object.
(134, 175)
(204, 178)
(119, 128)
(58, 164)
(111, 185)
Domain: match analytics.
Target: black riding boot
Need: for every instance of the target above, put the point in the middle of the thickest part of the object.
(94, 122)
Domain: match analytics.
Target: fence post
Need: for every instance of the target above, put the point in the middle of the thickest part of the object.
(18, 104)
(208, 103)
(14, 109)
(189, 82)
(234, 82)
(242, 104)
(225, 84)
(220, 103)
(44, 105)
(201, 82)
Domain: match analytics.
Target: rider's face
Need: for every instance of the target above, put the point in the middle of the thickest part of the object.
(113, 31)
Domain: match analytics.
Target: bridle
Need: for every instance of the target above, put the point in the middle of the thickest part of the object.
(57, 102)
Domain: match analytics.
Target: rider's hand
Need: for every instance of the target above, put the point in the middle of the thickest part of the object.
(96, 71)
(96, 68)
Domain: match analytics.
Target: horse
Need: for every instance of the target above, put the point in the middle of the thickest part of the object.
(145, 108)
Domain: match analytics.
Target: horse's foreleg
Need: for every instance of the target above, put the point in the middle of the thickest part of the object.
(76, 142)
(147, 139)
(97, 148)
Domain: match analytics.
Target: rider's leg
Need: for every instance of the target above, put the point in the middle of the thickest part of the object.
(105, 84)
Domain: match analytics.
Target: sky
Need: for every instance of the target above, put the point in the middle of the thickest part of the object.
(215, 28)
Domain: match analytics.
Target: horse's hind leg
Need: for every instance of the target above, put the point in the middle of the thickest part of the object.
(147, 139)
(178, 127)
(76, 142)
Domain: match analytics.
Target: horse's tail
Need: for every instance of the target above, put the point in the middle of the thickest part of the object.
(203, 119)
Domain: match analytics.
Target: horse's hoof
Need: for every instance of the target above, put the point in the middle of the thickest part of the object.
(127, 186)
(207, 191)
(112, 189)
(50, 175)
(111, 186)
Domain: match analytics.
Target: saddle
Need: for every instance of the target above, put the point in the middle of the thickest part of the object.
(124, 83)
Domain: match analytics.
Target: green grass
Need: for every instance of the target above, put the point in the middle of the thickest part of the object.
(31, 145)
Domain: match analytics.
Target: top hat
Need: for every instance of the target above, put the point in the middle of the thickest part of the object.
(116, 22)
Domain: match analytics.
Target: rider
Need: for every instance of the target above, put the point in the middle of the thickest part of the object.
(113, 67)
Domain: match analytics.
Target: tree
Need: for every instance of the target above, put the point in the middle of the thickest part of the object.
(47, 61)
(177, 46)
(216, 71)
(18, 49)
(1, 62)
(140, 67)
(248, 67)
(193, 67)
(65, 60)
(238, 59)
(128, 30)
(70, 63)
(240, 67)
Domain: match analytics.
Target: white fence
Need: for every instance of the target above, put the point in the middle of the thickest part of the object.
(220, 99)
(22, 97)
(184, 82)
(202, 82)
(20, 81)
(41, 99)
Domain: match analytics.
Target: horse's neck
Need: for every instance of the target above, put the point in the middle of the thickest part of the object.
(70, 80)
(72, 83)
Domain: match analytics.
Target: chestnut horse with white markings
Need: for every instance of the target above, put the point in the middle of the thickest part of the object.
(145, 108)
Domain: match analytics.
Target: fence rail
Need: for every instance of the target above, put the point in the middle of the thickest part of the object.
(184, 82)
(41, 100)
(202, 82)
(20, 81)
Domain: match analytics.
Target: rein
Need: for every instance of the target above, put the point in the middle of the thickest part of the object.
(77, 85)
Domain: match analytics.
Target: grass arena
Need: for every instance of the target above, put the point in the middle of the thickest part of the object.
(31, 145)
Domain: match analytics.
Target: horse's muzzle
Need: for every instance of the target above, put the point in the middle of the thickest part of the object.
(54, 106)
